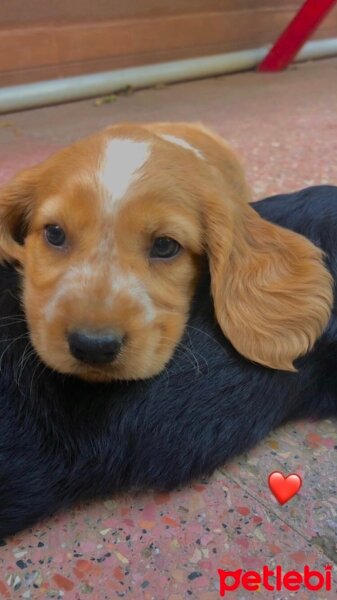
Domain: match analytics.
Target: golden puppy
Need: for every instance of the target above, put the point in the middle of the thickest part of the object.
(110, 233)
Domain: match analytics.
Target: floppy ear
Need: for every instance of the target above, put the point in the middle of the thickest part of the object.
(272, 293)
(16, 204)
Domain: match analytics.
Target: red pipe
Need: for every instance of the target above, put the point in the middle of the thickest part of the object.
(295, 35)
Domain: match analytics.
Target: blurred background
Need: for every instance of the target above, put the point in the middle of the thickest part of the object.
(42, 39)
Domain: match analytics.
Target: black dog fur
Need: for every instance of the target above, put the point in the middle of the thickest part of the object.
(62, 439)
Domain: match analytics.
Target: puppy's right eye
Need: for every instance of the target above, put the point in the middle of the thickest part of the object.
(55, 235)
(164, 247)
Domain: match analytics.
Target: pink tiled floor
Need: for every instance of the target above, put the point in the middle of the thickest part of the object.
(169, 547)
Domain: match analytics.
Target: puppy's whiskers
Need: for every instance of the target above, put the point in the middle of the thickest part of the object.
(183, 350)
(211, 337)
(28, 353)
(12, 341)
(39, 364)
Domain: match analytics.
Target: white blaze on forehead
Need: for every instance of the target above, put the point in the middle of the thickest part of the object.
(122, 160)
(180, 142)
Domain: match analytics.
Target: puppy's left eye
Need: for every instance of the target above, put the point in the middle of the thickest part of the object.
(55, 235)
(164, 247)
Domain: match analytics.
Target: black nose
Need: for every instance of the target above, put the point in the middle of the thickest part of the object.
(95, 348)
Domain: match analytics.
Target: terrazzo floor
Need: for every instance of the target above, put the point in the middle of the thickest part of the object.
(169, 547)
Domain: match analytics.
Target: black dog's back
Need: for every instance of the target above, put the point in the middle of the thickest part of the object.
(62, 439)
(311, 212)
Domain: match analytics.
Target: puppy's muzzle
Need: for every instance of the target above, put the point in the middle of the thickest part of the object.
(95, 348)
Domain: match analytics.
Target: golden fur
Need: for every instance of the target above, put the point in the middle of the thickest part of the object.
(272, 293)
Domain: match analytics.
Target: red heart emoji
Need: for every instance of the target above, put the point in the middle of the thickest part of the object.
(284, 488)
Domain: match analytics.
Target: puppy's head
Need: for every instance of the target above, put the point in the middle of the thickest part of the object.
(110, 234)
